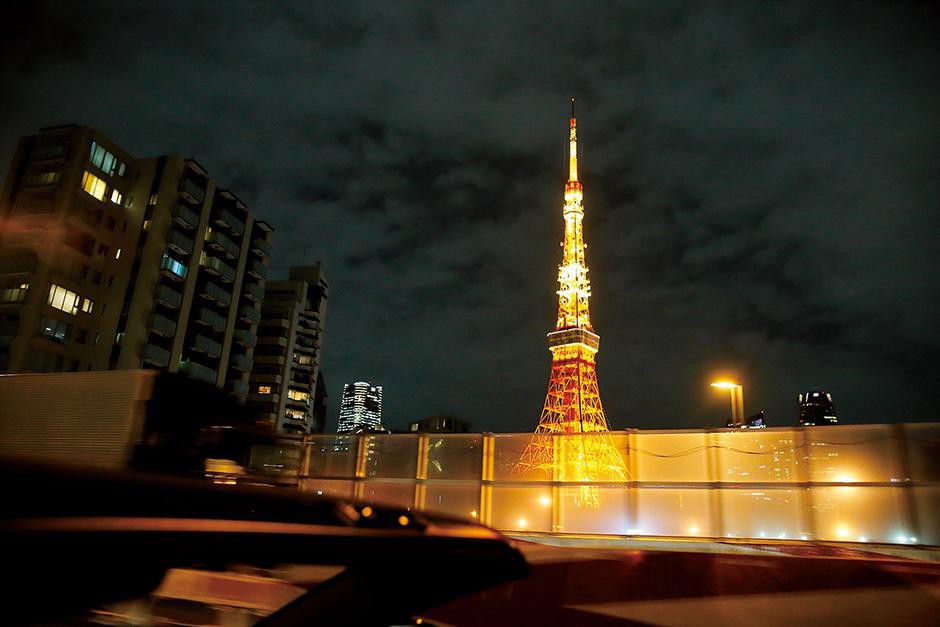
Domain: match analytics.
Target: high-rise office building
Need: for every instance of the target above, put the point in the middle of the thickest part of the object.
(361, 406)
(109, 261)
(815, 408)
(286, 371)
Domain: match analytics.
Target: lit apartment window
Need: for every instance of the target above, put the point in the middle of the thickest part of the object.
(16, 294)
(296, 414)
(55, 330)
(88, 305)
(117, 254)
(105, 161)
(116, 197)
(297, 395)
(63, 299)
(93, 185)
(264, 389)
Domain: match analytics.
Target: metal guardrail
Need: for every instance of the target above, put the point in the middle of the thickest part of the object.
(857, 483)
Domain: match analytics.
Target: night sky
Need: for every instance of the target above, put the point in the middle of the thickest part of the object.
(761, 185)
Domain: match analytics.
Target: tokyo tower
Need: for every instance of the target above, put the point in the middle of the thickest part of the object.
(573, 402)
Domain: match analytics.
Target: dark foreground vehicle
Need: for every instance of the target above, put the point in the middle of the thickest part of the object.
(96, 547)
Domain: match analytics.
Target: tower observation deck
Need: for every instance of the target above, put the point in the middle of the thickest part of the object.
(573, 402)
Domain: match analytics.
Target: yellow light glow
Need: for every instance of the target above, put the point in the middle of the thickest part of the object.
(367, 511)
(545, 500)
(725, 385)
(474, 514)
(693, 530)
(843, 532)
(522, 522)
(403, 520)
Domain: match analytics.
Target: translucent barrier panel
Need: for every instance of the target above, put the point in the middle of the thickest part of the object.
(927, 504)
(508, 450)
(391, 456)
(755, 455)
(524, 508)
(763, 514)
(327, 487)
(397, 494)
(331, 456)
(672, 512)
(594, 509)
(456, 499)
(591, 457)
(923, 451)
(860, 514)
(455, 457)
(851, 453)
(671, 457)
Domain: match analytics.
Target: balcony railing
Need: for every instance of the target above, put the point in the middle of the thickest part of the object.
(254, 292)
(243, 337)
(155, 355)
(191, 190)
(198, 371)
(210, 347)
(852, 483)
(172, 268)
(178, 242)
(219, 242)
(167, 296)
(216, 266)
(257, 269)
(249, 315)
(161, 325)
(260, 247)
(237, 387)
(209, 318)
(212, 292)
(185, 217)
(224, 218)
(20, 264)
(13, 295)
(240, 362)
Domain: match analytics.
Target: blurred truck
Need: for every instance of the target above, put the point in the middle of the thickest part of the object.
(144, 419)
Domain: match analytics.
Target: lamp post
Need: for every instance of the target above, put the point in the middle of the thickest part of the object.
(737, 400)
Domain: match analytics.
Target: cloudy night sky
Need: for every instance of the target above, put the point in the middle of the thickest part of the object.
(761, 185)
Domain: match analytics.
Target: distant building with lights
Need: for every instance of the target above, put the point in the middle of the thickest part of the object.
(112, 262)
(752, 422)
(287, 390)
(360, 407)
(815, 408)
(439, 424)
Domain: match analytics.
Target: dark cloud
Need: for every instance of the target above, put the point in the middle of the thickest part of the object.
(761, 184)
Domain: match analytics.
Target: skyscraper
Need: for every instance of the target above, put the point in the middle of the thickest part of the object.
(361, 406)
(815, 408)
(109, 261)
(286, 370)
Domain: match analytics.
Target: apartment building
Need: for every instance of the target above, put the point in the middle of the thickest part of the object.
(286, 374)
(108, 261)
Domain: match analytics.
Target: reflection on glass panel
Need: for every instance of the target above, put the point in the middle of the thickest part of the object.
(763, 514)
(611, 516)
(456, 499)
(673, 512)
(327, 487)
(332, 456)
(525, 508)
(671, 457)
(507, 451)
(455, 457)
(928, 515)
(392, 456)
(851, 453)
(923, 450)
(396, 494)
(758, 456)
(857, 514)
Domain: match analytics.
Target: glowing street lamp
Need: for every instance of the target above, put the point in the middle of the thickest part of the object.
(737, 400)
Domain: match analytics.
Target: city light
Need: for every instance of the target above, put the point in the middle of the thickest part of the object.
(725, 385)
(545, 500)
(737, 401)
(522, 522)
(403, 520)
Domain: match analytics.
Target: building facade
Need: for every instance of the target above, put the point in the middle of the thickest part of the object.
(360, 407)
(815, 408)
(439, 424)
(286, 379)
(108, 261)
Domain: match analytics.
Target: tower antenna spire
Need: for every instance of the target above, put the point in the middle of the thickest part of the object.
(572, 107)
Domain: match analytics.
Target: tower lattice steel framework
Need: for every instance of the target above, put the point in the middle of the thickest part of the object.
(573, 402)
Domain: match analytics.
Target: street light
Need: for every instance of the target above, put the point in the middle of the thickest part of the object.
(737, 400)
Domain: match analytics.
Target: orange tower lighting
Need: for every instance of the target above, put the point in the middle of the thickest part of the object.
(573, 402)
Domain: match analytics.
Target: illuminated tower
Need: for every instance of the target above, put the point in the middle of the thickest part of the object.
(573, 402)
